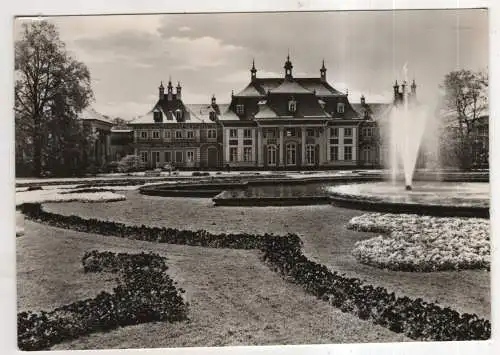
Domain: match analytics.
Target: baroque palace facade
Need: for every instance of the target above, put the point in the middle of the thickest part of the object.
(273, 123)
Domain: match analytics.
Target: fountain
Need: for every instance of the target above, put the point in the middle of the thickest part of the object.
(405, 135)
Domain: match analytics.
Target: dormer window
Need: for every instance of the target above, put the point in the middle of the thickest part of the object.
(178, 115)
(292, 106)
(212, 115)
(157, 116)
(340, 107)
(240, 109)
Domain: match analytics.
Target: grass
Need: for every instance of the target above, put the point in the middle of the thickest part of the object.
(323, 230)
(234, 298)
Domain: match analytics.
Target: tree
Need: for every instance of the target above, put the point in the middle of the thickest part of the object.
(51, 87)
(130, 163)
(465, 103)
(466, 97)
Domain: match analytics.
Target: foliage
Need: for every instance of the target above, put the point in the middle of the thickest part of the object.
(131, 163)
(51, 88)
(145, 293)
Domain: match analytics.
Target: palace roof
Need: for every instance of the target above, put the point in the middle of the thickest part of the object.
(89, 113)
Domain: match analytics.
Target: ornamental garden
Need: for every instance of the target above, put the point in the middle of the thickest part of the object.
(240, 259)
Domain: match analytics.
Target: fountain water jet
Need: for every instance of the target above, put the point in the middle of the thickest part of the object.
(407, 122)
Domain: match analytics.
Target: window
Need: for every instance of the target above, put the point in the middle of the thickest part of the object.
(269, 133)
(212, 133)
(178, 134)
(157, 116)
(156, 134)
(212, 115)
(271, 155)
(247, 154)
(247, 133)
(334, 132)
(178, 157)
(190, 156)
(190, 134)
(310, 132)
(292, 106)
(340, 107)
(334, 153)
(233, 154)
(144, 134)
(178, 115)
(347, 132)
(291, 154)
(240, 109)
(167, 134)
(155, 158)
(367, 132)
(347, 153)
(233, 142)
(347, 140)
(168, 157)
(170, 116)
(247, 142)
(144, 157)
(310, 154)
(290, 132)
(233, 133)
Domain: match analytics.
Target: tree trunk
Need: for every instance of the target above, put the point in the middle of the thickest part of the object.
(37, 153)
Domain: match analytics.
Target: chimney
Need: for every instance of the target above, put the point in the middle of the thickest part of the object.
(363, 100)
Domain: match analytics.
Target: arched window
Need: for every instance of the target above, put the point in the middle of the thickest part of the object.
(340, 107)
(178, 115)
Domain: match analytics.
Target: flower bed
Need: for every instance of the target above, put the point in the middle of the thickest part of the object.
(144, 294)
(417, 319)
(66, 196)
(146, 233)
(423, 243)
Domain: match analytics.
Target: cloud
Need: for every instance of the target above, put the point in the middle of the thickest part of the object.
(212, 53)
(198, 53)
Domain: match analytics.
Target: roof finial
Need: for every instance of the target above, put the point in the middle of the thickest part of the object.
(323, 66)
(288, 55)
(253, 63)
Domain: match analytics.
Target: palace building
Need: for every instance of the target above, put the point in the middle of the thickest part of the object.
(185, 136)
(289, 123)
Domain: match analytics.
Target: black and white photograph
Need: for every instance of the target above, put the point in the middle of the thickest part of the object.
(252, 178)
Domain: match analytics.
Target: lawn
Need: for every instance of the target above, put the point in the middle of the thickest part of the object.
(234, 298)
(322, 228)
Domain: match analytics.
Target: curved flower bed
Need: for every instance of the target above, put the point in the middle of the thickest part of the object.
(144, 294)
(417, 319)
(40, 196)
(423, 243)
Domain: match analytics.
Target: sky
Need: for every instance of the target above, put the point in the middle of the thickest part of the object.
(364, 52)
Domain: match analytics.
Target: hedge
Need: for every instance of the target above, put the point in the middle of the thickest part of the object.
(145, 233)
(417, 319)
(144, 294)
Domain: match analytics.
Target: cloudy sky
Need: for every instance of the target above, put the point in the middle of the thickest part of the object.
(212, 53)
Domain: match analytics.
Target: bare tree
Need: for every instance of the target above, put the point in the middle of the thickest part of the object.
(49, 85)
(465, 104)
(466, 98)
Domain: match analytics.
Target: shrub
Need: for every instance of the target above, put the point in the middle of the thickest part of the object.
(130, 163)
(144, 294)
